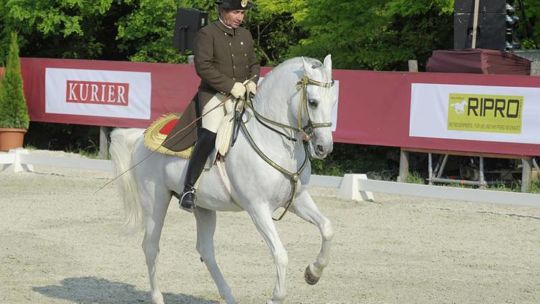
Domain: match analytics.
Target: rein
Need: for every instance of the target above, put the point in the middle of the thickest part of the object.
(303, 108)
(307, 130)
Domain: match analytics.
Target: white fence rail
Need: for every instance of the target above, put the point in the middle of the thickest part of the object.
(351, 186)
(19, 160)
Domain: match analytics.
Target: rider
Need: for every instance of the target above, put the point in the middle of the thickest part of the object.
(225, 61)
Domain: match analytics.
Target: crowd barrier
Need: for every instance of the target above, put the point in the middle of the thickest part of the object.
(355, 187)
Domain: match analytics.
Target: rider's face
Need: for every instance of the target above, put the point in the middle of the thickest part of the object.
(233, 18)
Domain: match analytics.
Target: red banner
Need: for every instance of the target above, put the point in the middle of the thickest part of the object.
(171, 88)
(374, 107)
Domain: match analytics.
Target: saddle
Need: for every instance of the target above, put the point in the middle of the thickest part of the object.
(157, 132)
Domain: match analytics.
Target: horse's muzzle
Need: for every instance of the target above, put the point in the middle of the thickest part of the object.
(321, 151)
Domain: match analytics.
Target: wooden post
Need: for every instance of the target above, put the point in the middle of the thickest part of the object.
(430, 168)
(481, 178)
(413, 65)
(528, 163)
(403, 166)
(404, 155)
(535, 68)
(103, 143)
(526, 174)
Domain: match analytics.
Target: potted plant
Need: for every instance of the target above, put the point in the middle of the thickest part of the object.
(14, 119)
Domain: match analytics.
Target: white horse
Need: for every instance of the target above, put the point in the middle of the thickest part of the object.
(267, 168)
(459, 107)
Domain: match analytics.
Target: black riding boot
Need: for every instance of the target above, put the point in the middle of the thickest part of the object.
(204, 146)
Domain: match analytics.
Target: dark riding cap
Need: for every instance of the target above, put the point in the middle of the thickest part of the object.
(234, 4)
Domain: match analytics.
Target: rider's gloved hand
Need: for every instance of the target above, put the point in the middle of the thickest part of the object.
(251, 87)
(238, 90)
(229, 106)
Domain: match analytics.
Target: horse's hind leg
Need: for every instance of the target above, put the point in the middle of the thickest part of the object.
(305, 208)
(155, 210)
(206, 226)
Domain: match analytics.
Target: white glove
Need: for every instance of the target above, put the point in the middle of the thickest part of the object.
(238, 90)
(251, 87)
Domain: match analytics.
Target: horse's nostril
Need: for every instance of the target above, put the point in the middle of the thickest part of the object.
(320, 148)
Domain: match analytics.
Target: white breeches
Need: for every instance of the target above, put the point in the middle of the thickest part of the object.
(214, 114)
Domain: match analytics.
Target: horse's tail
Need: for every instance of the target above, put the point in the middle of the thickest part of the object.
(121, 150)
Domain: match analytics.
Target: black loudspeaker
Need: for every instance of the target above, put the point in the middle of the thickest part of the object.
(490, 33)
(491, 30)
(188, 22)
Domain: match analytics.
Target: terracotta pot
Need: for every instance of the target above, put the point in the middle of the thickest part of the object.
(11, 138)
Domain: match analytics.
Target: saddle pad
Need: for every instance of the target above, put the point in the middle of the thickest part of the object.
(156, 133)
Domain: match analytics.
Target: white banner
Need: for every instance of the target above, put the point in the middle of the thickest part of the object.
(98, 93)
(484, 113)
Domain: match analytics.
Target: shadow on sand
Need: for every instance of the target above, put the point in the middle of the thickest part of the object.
(92, 290)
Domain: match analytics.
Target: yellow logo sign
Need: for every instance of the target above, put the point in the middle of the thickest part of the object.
(485, 113)
(244, 3)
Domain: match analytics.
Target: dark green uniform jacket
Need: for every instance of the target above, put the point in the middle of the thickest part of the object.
(223, 56)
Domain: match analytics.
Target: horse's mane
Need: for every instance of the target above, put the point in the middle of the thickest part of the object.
(277, 74)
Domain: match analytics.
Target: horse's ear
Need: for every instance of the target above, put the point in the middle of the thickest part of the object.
(307, 67)
(328, 62)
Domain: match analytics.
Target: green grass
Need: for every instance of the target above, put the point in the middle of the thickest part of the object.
(414, 178)
(93, 154)
(535, 187)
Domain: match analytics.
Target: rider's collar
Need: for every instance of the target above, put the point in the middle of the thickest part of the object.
(225, 28)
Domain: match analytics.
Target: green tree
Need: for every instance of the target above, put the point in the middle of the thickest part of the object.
(372, 34)
(529, 25)
(145, 34)
(274, 28)
(13, 110)
(59, 28)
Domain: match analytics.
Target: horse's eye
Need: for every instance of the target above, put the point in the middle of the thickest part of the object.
(313, 102)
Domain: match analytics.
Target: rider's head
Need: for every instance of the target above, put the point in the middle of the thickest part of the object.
(232, 12)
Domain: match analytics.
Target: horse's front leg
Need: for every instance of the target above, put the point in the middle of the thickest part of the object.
(206, 226)
(305, 208)
(262, 218)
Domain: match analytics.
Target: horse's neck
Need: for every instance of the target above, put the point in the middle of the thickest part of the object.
(275, 93)
(272, 102)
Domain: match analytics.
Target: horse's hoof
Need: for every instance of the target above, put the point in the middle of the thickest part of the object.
(310, 278)
(157, 298)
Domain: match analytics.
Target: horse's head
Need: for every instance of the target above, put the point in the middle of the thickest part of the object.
(313, 108)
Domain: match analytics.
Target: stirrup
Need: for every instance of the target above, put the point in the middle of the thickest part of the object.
(185, 206)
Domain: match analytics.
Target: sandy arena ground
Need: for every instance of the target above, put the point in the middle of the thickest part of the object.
(61, 243)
